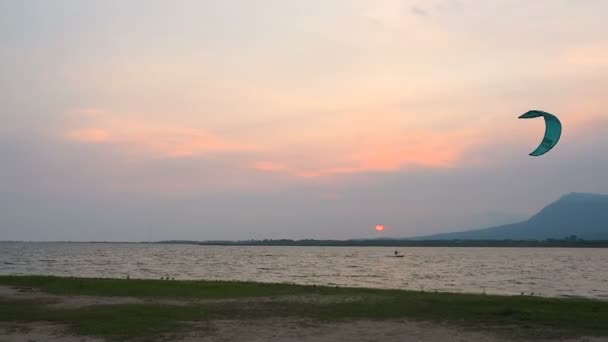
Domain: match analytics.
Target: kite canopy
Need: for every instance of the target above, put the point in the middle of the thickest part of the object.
(553, 130)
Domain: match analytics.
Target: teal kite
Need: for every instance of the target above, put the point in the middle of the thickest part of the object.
(553, 130)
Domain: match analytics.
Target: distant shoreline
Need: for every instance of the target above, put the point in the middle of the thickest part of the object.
(410, 243)
(549, 243)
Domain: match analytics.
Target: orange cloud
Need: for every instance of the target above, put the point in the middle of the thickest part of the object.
(381, 154)
(420, 149)
(155, 139)
(318, 152)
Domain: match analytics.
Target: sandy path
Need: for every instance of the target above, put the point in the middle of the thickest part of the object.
(273, 330)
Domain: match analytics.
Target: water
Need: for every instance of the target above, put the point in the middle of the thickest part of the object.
(554, 272)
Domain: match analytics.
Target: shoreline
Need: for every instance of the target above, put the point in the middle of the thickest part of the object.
(392, 243)
(482, 290)
(121, 309)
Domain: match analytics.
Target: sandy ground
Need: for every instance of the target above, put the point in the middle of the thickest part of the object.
(273, 330)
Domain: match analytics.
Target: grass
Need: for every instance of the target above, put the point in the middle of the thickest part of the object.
(120, 322)
(530, 316)
(158, 288)
(135, 322)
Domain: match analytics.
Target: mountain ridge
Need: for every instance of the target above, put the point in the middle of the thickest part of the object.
(584, 215)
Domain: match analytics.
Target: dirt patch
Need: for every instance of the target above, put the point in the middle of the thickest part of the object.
(39, 332)
(74, 302)
(320, 299)
(283, 330)
(56, 301)
(278, 330)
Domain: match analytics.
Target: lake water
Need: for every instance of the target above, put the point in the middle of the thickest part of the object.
(555, 272)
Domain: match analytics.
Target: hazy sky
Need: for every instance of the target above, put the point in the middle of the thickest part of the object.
(238, 119)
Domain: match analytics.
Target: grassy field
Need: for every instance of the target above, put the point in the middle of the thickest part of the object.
(202, 301)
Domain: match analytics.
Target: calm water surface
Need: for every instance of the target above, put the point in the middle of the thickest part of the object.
(543, 271)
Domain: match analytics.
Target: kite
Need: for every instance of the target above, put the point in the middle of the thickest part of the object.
(553, 130)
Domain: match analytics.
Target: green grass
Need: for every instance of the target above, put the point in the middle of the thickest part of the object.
(120, 322)
(135, 322)
(530, 316)
(158, 288)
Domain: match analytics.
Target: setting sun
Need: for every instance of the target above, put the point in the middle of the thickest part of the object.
(379, 227)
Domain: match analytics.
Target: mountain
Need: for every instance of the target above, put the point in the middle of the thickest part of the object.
(581, 214)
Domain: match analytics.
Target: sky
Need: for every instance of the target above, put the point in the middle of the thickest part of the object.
(251, 119)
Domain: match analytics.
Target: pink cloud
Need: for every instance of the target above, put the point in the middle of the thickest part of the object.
(88, 135)
(268, 166)
(419, 149)
(593, 54)
(185, 142)
(373, 149)
(156, 140)
(379, 154)
(318, 155)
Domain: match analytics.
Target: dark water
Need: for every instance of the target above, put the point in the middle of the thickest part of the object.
(544, 271)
